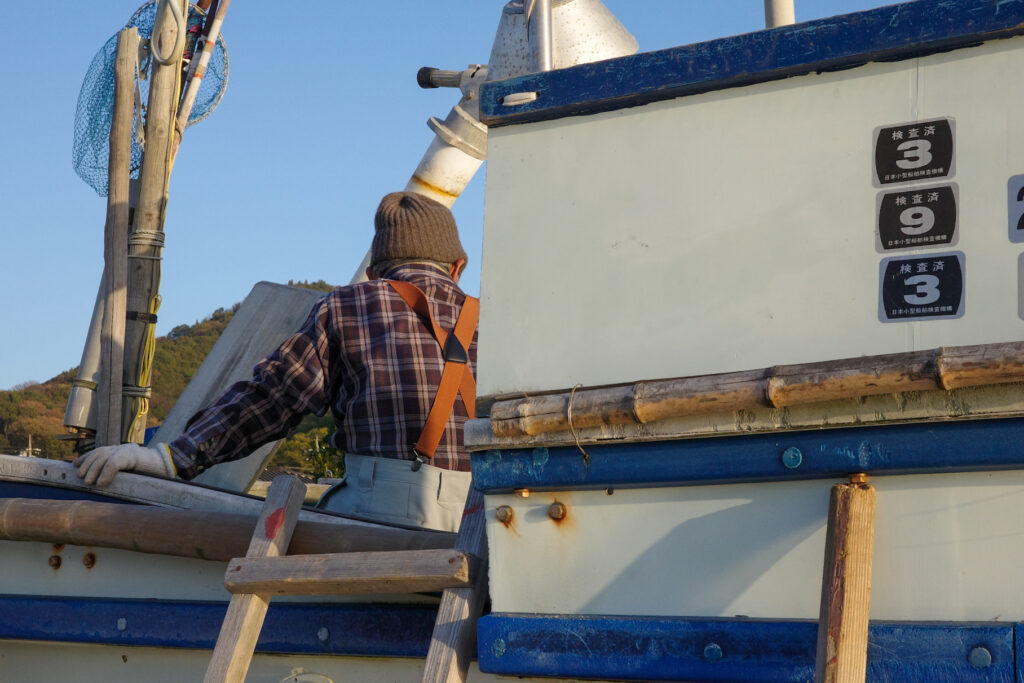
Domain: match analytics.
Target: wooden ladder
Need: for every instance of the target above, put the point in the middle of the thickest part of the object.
(266, 571)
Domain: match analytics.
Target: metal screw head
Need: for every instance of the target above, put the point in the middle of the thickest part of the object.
(504, 513)
(792, 458)
(712, 652)
(323, 635)
(557, 510)
(89, 560)
(498, 647)
(980, 658)
(54, 561)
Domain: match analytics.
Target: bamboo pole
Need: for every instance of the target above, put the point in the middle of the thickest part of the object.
(846, 584)
(778, 387)
(187, 533)
(146, 241)
(115, 242)
(246, 612)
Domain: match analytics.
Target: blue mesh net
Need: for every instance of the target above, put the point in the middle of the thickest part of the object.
(90, 152)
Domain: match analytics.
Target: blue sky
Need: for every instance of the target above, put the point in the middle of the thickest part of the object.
(322, 116)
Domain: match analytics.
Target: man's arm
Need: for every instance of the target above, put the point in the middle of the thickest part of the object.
(288, 384)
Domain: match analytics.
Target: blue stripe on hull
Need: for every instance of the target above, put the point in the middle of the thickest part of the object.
(674, 649)
(920, 448)
(369, 630)
(911, 29)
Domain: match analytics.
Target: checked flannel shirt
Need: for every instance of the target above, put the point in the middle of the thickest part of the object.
(363, 354)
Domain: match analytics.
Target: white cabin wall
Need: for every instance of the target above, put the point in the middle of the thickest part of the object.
(757, 550)
(736, 229)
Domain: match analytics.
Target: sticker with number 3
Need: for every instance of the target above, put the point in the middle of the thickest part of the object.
(921, 288)
(914, 152)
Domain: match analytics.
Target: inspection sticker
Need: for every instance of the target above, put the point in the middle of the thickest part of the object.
(915, 152)
(921, 288)
(917, 217)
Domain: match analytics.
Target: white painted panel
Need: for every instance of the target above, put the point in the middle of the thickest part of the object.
(38, 661)
(736, 229)
(947, 547)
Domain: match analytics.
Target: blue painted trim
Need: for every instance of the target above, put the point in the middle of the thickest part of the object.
(674, 649)
(895, 449)
(911, 29)
(367, 630)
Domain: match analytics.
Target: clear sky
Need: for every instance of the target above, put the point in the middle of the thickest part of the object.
(322, 116)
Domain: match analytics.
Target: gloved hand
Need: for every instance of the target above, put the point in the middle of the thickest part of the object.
(99, 466)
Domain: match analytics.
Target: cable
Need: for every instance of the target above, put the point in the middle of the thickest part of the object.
(174, 7)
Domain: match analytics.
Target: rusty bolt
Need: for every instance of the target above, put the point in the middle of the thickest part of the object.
(523, 493)
(55, 561)
(859, 478)
(89, 560)
(504, 514)
(556, 510)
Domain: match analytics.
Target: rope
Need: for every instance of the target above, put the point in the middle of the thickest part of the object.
(576, 438)
(174, 7)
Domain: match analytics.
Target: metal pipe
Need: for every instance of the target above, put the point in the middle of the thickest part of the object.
(778, 13)
(538, 27)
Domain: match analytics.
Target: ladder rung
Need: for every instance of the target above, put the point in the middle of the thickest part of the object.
(405, 571)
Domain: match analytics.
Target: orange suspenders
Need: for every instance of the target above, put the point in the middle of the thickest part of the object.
(456, 377)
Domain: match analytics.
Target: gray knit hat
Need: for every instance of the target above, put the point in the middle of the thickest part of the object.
(411, 226)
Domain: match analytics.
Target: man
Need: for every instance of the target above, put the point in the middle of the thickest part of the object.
(373, 353)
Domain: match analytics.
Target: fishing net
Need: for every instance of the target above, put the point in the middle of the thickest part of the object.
(90, 151)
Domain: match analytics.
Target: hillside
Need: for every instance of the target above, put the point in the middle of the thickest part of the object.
(31, 414)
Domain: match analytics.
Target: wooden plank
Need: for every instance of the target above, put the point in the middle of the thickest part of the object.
(780, 387)
(985, 402)
(453, 642)
(970, 366)
(410, 571)
(205, 535)
(115, 243)
(846, 584)
(241, 628)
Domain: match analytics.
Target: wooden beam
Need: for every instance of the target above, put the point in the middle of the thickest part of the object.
(779, 387)
(846, 584)
(244, 620)
(410, 571)
(453, 642)
(216, 536)
(115, 242)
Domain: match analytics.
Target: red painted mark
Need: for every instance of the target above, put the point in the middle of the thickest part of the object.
(274, 522)
(468, 511)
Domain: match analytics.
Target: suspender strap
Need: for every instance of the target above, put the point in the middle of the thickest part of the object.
(456, 377)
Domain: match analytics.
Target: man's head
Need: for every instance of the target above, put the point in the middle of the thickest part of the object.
(411, 227)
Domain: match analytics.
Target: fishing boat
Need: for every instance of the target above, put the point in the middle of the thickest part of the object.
(746, 411)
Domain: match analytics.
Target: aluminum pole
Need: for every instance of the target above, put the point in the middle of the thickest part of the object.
(538, 26)
(778, 13)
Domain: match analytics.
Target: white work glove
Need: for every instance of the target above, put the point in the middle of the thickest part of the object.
(99, 466)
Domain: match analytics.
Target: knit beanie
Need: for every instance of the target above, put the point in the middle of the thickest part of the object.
(411, 226)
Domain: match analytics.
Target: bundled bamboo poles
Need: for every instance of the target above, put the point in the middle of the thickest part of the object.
(777, 387)
(147, 237)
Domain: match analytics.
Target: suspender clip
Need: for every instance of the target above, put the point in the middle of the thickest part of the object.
(418, 462)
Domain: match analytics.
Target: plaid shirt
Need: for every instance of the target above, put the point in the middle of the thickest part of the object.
(362, 353)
